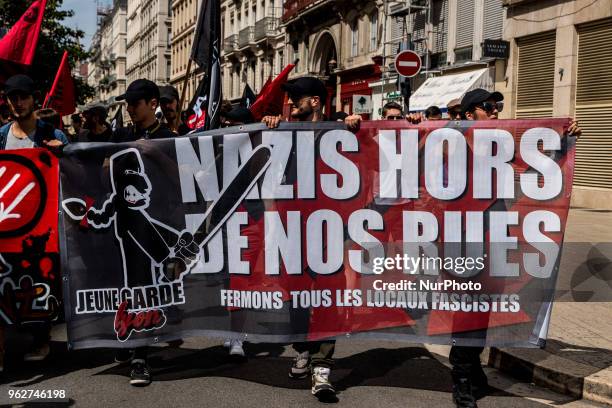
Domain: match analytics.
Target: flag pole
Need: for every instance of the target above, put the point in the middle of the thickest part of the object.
(184, 91)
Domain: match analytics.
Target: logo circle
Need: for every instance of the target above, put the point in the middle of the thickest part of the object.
(31, 184)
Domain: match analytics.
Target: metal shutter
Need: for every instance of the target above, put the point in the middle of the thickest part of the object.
(417, 21)
(397, 32)
(493, 19)
(594, 106)
(440, 26)
(536, 76)
(465, 23)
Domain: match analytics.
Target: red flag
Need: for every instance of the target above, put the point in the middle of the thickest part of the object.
(19, 44)
(61, 96)
(270, 99)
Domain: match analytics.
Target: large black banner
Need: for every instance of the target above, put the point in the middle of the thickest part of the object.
(431, 233)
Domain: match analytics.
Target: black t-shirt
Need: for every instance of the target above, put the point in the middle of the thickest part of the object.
(86, 135)
(183, 129)
(131, 133)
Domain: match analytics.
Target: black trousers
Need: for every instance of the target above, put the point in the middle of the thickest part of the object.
(464, 360)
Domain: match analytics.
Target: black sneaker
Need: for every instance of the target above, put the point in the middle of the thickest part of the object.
(321, 387)
(301, 366)
(140, 376)
(463, 395)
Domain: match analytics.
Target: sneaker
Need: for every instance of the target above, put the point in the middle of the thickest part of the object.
(227, 343)
(463, 395)
(38, 354)
(301, 366)
(321, 387)
(140, 376)
(123, 355)
(236, 348)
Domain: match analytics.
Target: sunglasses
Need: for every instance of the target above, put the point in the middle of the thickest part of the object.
(490, 107)
(394, 118)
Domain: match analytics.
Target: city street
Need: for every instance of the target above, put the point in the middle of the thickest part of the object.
(199, 373)
(367, 373)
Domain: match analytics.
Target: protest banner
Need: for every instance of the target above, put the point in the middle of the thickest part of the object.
(429, 233)
(29, 256)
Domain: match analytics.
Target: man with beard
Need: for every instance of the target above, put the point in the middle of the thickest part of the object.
(306, 96)
(27, 131)
(168, 100)
(469, 379)
(96, 128)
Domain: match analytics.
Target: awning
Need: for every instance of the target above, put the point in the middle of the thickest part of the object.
(439, 91)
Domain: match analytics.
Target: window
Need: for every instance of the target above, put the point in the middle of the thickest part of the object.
(374, 31)
(463, 54)
(355, 39)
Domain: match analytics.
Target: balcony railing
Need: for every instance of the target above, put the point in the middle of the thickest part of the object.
(246, 36)
(266, 27)
(292, 7)
(230, 43)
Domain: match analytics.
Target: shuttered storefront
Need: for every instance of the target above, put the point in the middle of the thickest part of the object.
(493, 19)
(536, 76)
(594, 106)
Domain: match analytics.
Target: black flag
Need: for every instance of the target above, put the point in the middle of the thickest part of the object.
(205, 52)
(248, 97)
(117, 121)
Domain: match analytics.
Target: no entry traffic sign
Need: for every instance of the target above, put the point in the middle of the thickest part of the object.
(407, 63)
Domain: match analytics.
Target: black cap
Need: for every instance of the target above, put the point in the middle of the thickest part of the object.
(98, 108)
(168, 92)
(19, 83)
(478, 96)
(239, 114)
(305, 86)
(140, 89)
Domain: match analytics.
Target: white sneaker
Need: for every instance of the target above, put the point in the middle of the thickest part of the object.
(301, 365)
(227, 343)
(321, 387)
(236, 348)
(38, 354)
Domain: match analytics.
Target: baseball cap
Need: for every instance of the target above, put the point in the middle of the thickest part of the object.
(19, 83)
(478, 96)
(168, 92)
(455, 103)
(305, 86)
(140, 89)
(96, 107)
(239, 114)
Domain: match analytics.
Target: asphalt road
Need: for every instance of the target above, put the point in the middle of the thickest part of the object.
(199, 373)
